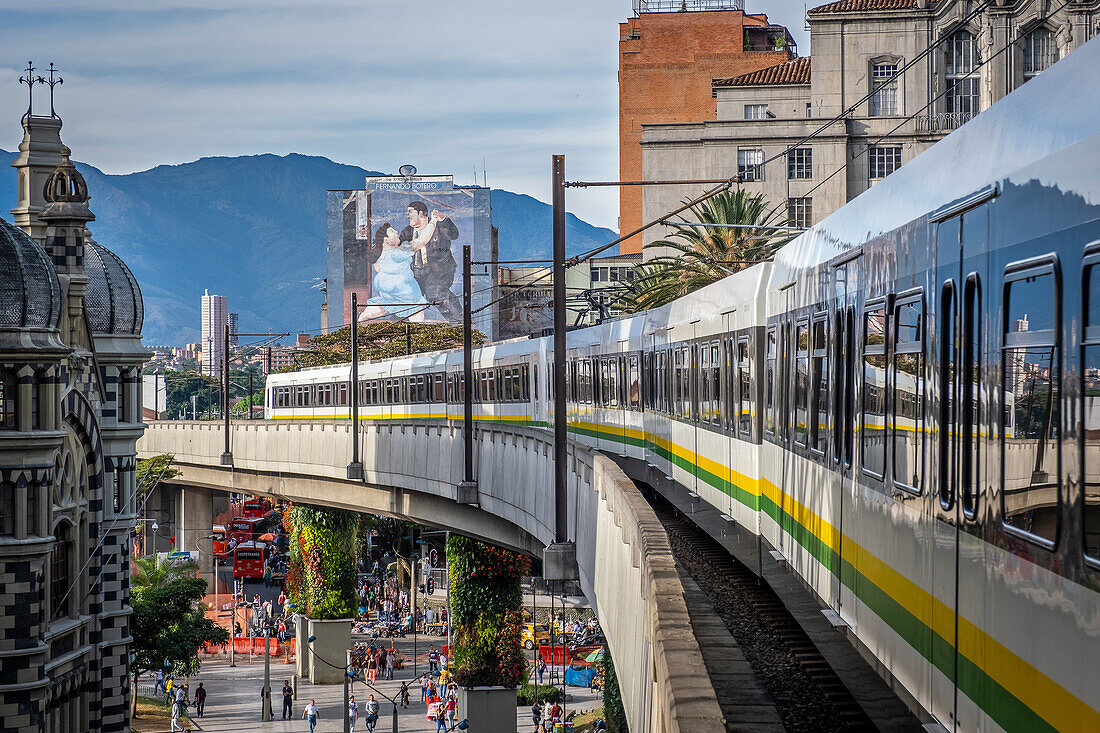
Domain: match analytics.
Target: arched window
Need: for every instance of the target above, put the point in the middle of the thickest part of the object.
(960, 73)
(61, 572)
(1040, 52)
(9, 394)
(884, 87)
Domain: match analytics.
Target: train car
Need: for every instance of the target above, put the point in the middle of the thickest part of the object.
(903, 405)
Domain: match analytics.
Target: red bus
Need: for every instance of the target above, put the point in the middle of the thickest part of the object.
(248, 560)
(220, 542)
(256, 508)
(243, 529)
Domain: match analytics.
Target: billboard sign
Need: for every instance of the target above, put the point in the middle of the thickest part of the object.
(398, 244)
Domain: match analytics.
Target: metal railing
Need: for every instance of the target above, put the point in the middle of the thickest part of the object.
(943, 121)
(673, 6)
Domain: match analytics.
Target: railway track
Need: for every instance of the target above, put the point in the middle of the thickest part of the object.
(805, 690)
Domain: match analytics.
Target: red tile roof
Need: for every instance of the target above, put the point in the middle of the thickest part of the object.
(795, 71)
(857, 6)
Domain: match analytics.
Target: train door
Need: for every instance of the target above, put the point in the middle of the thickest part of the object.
(961, 451)
(737, 461)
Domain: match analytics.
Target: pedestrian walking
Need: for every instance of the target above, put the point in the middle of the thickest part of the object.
(433, 658)
(176, 717)
(423, 688)
(540, 668)
(372, 714)
(310, 714)
(452, 711)
(372, 666)
(159, 687)
(389, 665)
(405, 695)
(200, 700)
(536, 716)
(288, 700)
(440, 720)
(353, 713)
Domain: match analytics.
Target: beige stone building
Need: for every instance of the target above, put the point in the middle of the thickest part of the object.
(979, 54)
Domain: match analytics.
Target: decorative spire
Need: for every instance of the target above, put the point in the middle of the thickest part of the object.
(52, 82)
(30, 80)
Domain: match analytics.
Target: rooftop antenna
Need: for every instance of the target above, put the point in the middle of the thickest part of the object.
(30, 80)
(52, 82)
(484, 178)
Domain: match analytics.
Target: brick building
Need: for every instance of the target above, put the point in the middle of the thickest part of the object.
(669, 52)
(70, 415)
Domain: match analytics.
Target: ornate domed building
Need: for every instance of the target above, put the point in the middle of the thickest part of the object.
(70, 416)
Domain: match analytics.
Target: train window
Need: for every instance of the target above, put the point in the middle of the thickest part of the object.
(971, 395)
(744, 389)
(301, 396)
(769, 384)
(841, 378)
(849, 385)
(801, 383)
(873, 427)
(677, 383)
(342, 393)
(634, 384)
(715, 378)
(819, 379)
(907, 378)
(691, 363)
(611, 369)
(1090, 411)
(783, 384)
(1031, 493)
(705, 410)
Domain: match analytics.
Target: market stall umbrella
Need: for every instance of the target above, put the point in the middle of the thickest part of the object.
(267, 537)
(596, 656)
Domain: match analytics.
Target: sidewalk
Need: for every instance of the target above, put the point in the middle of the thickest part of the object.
(233, 699)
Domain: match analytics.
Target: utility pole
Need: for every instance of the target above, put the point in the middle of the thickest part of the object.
(408, 339)
(250, 393)
(561, 496)
(467, 490)
(227, 457)
(355, 468)
(347, 693)
(266, 717)
(560, 558)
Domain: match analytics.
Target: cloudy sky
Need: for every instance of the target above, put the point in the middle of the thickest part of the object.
(446, 86)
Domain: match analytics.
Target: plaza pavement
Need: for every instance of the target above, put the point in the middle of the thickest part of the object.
(233, 698)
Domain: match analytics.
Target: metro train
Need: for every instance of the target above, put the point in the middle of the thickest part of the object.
(903, 404)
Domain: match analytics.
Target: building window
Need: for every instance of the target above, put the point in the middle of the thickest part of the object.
(883, 160)
(800, 211)
(756, 111)
(9, 391)
(960, 60)
(7, 508)
(32, 508)
(884, 83)
(809, 110)
(800, 163)
(122, 404)
(750, 165)
(1040, 52)
(59, 573)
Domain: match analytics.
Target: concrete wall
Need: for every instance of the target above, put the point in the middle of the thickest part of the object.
(412, 470)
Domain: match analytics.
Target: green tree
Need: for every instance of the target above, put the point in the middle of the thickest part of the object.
(151, 470)
(383, 340)
(149, 572)
(169, 626)
(701, 255)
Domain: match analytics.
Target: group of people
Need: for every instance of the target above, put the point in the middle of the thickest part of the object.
(176, 695)
(384, 603)
(545, 715)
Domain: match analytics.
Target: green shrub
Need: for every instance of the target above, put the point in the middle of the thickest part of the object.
(546, 693)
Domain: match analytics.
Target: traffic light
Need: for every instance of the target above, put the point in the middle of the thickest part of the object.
(433, 558)
(431, 585)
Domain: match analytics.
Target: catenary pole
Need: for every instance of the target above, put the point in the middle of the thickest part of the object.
(227, 456)
(355, 468)
(561, 517)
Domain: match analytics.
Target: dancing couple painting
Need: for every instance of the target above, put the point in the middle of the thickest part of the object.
(414, 267)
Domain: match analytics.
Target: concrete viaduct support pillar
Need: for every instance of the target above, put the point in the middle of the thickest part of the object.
(194, 519)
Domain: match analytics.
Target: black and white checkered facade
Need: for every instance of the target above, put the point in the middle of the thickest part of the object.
(70, 412)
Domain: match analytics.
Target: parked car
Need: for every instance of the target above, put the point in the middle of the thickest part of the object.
(532, 635)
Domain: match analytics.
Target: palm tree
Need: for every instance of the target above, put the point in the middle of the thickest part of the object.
(154, 572)
(702, 255)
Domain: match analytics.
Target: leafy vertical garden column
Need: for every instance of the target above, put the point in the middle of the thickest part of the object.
(323, 546)
(486, 609)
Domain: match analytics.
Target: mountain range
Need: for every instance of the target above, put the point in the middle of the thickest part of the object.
(252, 228)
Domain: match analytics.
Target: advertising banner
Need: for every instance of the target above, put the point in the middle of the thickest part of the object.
(398, 244)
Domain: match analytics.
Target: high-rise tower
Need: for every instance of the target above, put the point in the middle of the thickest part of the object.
(215, 317)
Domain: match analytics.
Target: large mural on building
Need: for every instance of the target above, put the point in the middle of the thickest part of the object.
(398, 245)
